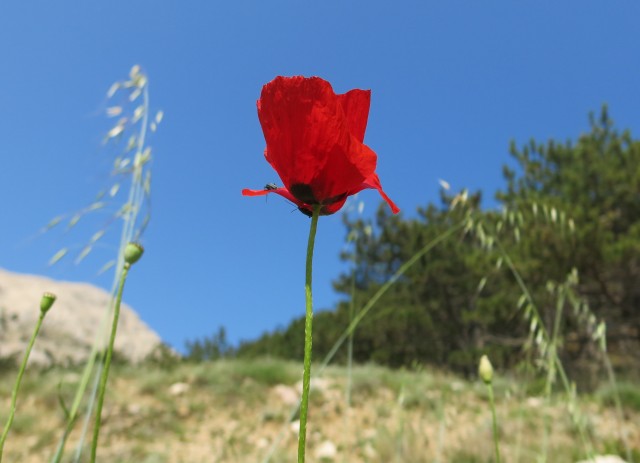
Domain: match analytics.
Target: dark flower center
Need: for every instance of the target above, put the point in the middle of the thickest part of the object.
(304, 193)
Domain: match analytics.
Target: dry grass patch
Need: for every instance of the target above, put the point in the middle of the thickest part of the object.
(234, 411)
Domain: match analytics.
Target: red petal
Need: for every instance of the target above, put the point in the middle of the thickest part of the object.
(279, 191)
(247, 192)
(373, 182)
(306, 208)
(333, 208)
(355, 105)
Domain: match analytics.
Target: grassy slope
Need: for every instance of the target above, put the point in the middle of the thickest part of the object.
(234, 410)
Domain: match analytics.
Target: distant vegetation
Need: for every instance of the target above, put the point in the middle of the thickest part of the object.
(569, 223)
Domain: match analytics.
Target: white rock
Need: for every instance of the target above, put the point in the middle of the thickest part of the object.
(134, 409)
(369, 451)
(369, 433)
(262, 443)
(457, 386)
(295, 426)
(604, 459)
(177, 389)
(288, 395)
(326, 450)
(534, 402)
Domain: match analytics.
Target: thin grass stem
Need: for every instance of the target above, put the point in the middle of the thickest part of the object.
(350, 343)
(349, 386)
(107, 363)
(442, 429)
(384, 288)
(495, 421)
(77, 400)
(618, 403)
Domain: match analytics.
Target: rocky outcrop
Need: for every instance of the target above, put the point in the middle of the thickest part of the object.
(70, 327)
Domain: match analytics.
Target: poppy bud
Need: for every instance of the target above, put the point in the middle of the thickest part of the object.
(485, 370)
(132, 253)
(47, 302)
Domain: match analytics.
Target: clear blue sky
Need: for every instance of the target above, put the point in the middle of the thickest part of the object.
(452, 83)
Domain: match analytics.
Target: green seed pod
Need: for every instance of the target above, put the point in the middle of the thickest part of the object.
(132, 253)
(485, 370)
(47, 301)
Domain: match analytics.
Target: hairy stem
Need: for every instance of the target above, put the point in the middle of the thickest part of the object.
(308, 324)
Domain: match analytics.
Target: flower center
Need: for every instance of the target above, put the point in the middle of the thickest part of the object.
(304, 193)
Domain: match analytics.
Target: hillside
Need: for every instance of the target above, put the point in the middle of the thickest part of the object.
(239, 411)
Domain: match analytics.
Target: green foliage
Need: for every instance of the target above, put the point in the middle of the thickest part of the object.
(593, 185)
(212, 347)
(9, 365)
(616, 447)
(163, 357)
(265, 372)
(570, 226)
(433, 314)
(629, 395)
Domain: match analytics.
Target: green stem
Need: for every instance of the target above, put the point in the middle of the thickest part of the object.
(107, 363)
(362, 313)
(495, 421)
(16, 387)
(352, 304)
(308, 323)
(552, 354)
(73, 413)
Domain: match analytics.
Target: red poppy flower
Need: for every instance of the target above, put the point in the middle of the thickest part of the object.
(315, 143)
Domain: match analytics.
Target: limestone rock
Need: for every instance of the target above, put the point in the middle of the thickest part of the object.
(177, 389)
(326, 451)
(604, 459)
(70, 327)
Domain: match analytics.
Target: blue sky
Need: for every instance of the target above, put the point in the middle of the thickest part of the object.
(452, 83)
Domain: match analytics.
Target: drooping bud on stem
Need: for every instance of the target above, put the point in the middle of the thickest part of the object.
(132, 253)
(47, 302)
(485, 369)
